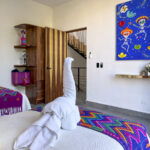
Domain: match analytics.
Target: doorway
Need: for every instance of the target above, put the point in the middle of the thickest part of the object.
(77, 49)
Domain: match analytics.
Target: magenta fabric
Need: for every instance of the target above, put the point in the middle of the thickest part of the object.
(20, 78)
(10, 101)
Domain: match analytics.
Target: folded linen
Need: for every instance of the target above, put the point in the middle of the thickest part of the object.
(27, 137)
(64, 106)
(69, 121)
(48, 135)
(69, 88)
(62, 112)
(68, 113)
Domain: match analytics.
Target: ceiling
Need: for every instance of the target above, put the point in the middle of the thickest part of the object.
(52, 3)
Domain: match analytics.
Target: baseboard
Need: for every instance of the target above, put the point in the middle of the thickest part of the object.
(118, 110)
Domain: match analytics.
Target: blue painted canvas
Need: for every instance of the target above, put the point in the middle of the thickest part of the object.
(133, 30)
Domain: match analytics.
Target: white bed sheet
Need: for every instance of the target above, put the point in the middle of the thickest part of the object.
(25, 103)
(79, 139)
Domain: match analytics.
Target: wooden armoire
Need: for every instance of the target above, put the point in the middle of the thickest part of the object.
(46, 50)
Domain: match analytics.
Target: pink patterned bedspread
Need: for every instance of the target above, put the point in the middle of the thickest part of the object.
(10, 101)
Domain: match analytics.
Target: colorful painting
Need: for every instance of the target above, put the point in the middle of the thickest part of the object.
(133, 30)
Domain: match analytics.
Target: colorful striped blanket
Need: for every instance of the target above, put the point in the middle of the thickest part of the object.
(10, 101)
(131, 135)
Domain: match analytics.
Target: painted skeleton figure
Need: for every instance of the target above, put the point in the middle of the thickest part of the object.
(141, 21)
(126, 33)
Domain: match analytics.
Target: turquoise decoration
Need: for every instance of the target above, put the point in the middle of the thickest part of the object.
(133, 30)
(131, 14)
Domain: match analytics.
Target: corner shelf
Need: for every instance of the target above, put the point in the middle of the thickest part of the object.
(28, 85)
(24, 26)
(23, 46)
(34, 49)
(22, 66)
(132, 76)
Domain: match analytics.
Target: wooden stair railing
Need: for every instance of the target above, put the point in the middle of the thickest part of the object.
(77, 45)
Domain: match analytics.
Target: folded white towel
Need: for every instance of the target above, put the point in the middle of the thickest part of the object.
(69, 122)
(27, 137)
(48, 135)
(62, 112)
(69, 87)
(60, 106)
(68, 113)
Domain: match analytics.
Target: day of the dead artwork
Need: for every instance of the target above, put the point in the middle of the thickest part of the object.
(133, 30)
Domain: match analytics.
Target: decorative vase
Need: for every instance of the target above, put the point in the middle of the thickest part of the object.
(144, 73)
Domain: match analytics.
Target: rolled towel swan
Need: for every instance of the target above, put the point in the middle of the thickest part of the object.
(62, 112)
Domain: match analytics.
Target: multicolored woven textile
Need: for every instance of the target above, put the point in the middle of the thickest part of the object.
(10, 101)
(131, 135)
(39, 108)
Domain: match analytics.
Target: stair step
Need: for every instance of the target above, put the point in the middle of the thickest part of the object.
(77, 50)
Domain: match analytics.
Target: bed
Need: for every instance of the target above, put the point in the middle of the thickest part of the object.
(95, 130)
(79, 139)
(12, 102)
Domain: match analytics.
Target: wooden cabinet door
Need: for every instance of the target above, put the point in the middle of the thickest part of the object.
(56, 52)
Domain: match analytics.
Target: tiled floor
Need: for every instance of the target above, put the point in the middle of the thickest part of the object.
(81, 97)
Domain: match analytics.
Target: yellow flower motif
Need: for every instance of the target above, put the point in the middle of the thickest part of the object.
(124, 9)
(148, 47)
(122, 55)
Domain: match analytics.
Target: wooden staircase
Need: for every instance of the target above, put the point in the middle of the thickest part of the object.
(77, 45)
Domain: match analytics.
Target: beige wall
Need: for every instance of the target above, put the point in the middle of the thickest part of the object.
(102, 86)
(99, 18)
(13, 12)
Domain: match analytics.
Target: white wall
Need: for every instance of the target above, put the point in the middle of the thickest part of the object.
(13, 12)
(102, 86)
